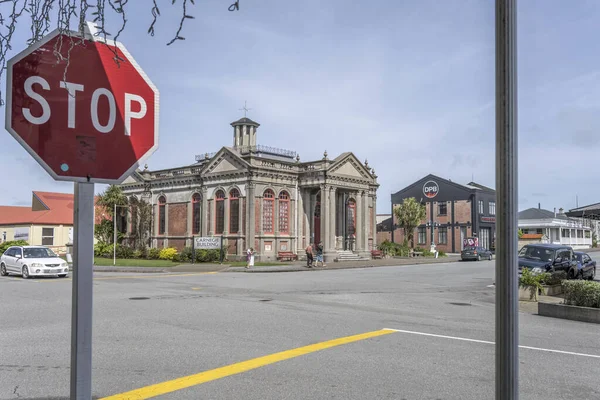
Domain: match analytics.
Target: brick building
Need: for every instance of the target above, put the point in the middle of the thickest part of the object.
(454, 212)
(262, 197)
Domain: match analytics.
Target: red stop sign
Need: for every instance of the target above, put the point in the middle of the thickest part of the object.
(95, 123)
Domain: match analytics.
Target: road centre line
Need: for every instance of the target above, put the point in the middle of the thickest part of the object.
(238, 368)
(488, 342)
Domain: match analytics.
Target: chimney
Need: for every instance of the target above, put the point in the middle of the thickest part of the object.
(560, 210)
(554, 212)
(539, 206)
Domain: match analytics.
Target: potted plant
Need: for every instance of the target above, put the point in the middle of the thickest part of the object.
(530, 284)
(552, 285)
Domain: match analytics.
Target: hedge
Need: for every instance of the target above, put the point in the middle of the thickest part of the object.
(582, 293)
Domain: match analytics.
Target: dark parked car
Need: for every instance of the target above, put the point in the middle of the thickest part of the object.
(586, 267)
(544, 257)
(475, 253)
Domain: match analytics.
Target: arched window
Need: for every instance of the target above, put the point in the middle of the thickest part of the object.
(284, 212)
(268, 210)
(219, 212)
(196, 202)
(351, 217)
(162, 216)
(234, 211)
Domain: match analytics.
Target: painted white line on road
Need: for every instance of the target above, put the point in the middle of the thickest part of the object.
(488, 342)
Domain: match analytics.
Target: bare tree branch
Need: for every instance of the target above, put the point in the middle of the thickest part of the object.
(68, 13)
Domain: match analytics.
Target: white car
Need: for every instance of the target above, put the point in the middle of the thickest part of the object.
(29, 261)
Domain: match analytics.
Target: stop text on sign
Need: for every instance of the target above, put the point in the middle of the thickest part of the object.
(97, 94)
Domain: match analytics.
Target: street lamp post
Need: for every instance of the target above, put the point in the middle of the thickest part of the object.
(115, 233)
(433, 225)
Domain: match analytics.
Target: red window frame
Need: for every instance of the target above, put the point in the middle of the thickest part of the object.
(268, 211)
(234, 210)
(219, 212)
(284, 212)
(196, 209)
(162, 221)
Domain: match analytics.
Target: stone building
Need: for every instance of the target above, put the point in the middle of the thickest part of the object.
(261, 197)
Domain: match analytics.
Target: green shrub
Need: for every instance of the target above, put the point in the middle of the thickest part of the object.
(167, 253)
(176, 257)
(533, 282)
(186, 254)
(10, 243)
(441, 253)
(581, 293)
(124, 251)
(555, 278)
(212, 255)
(137, 254)
(427, 253)
(394, 249)
(153, 254)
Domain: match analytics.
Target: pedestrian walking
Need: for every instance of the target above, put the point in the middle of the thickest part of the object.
(320, 255)
(251, 263)
(309, 256)
(249, 258)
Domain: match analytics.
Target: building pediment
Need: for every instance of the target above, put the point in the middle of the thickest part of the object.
(350, 166)
(225, 161)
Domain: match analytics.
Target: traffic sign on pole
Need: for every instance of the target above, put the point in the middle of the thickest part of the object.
(87, 113)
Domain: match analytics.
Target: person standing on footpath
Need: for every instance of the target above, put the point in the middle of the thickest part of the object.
(309, 256)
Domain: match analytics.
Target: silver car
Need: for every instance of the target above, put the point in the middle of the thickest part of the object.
(29, 261)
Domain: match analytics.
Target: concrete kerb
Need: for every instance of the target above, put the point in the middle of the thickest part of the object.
(284, 267)
(344, 265)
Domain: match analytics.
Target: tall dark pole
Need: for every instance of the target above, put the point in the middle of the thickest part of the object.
(507, 311)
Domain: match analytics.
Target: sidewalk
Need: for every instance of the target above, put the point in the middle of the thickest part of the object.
(389, 262)
(284, 267)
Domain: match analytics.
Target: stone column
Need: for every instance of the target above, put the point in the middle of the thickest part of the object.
(325, 225)
(276, 216)
(366, 219)
(332, 217)
(293, 228)
(360, 227)
(250, 208)
(374, 221)
(204, 214)
(299, 233)
(226, 215)
(211, 214)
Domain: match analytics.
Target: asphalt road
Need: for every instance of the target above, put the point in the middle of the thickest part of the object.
(193, 323)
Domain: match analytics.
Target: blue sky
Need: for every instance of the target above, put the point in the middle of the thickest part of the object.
(408, 85)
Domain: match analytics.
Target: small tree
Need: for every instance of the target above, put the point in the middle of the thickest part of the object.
(141, 222)
(409, 215)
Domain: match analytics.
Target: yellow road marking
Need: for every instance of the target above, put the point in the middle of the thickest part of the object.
(218, 373)
(151, 275)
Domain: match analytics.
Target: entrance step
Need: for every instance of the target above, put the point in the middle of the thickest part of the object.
(347, 255)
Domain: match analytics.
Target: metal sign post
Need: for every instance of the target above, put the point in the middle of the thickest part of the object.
(81, 303)
(507, 304)
(221, 252)
(77, 147)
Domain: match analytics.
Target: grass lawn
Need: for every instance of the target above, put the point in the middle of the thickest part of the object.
(133, 262)
(256, 264)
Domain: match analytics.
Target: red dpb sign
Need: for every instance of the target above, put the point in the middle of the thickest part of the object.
(95, 123)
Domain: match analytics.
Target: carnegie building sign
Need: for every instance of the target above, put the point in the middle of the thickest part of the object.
(454, 212)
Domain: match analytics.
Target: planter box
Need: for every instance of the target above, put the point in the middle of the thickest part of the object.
(552, 290)
(574, 313)
(525, 294)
